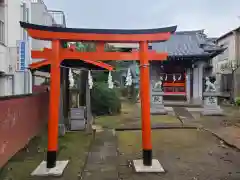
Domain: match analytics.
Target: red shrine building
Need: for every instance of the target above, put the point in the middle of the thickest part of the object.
(188, 62)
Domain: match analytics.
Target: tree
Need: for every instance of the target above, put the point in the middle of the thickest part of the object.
(100, 91)
(231, 66)
(104, 100)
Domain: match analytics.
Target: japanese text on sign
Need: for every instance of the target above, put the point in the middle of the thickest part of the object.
(21, 60)
(212, 100)
(157, 99)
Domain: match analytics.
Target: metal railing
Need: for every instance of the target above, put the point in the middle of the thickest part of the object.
(58, 17)
(2, 32)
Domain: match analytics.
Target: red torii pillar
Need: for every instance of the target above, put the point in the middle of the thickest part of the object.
(145, 104)
(54, 105)
(56, 55)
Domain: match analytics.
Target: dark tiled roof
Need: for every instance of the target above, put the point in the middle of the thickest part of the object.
(213, 39)
(188, 43)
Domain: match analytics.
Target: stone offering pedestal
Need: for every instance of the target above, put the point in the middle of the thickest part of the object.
(211, 106)
(157, 106)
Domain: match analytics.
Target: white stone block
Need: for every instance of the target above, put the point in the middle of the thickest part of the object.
(155, 168)
(42, 169)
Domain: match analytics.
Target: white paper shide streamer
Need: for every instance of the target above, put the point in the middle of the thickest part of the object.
(110, 82)
(90, 80)
(71, 80)
(129, 78)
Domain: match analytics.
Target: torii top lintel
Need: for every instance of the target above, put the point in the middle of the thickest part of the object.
(105, 35)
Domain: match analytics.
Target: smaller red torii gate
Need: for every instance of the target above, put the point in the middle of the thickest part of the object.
(57, 54)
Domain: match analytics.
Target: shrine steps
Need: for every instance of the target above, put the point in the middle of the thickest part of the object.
(181, 104)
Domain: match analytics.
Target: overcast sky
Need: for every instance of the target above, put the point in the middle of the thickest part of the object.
(216, 17)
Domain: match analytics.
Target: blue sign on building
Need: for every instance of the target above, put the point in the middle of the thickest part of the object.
(22, 56)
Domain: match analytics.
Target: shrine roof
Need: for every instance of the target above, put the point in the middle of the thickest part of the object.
(189, 43)
(170, 29)
(107, 35)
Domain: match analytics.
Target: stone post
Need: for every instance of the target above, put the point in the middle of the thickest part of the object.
(61, 124)
(188, 84)
(211, 104)
(157, 106)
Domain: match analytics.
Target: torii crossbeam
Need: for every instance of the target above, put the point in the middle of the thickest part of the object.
(56, 55)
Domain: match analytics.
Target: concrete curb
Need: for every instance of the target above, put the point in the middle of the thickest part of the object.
(222, 139)
(157, 128)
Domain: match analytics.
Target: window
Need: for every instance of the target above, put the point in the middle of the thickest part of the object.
(2, 32)
(24, 18)
(27, 14)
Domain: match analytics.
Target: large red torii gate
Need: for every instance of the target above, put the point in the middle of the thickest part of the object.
(57, 54)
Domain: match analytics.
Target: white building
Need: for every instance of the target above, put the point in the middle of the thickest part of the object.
(43, 16)
(40, 16)
(224, 62)
(13, 79)
(229, 61)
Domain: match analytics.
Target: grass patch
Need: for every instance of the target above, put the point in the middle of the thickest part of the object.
(131, 117)
(73, 146)
(112, 122)
(130, 142)
(26, 160)
(155, 119)
(128, 107)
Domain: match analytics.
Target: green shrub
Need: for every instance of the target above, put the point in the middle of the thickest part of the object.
(237, 101)
(104, 100)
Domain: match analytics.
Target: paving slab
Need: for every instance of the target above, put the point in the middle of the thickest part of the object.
(102, 159)
(183, 113)
(195, 109)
